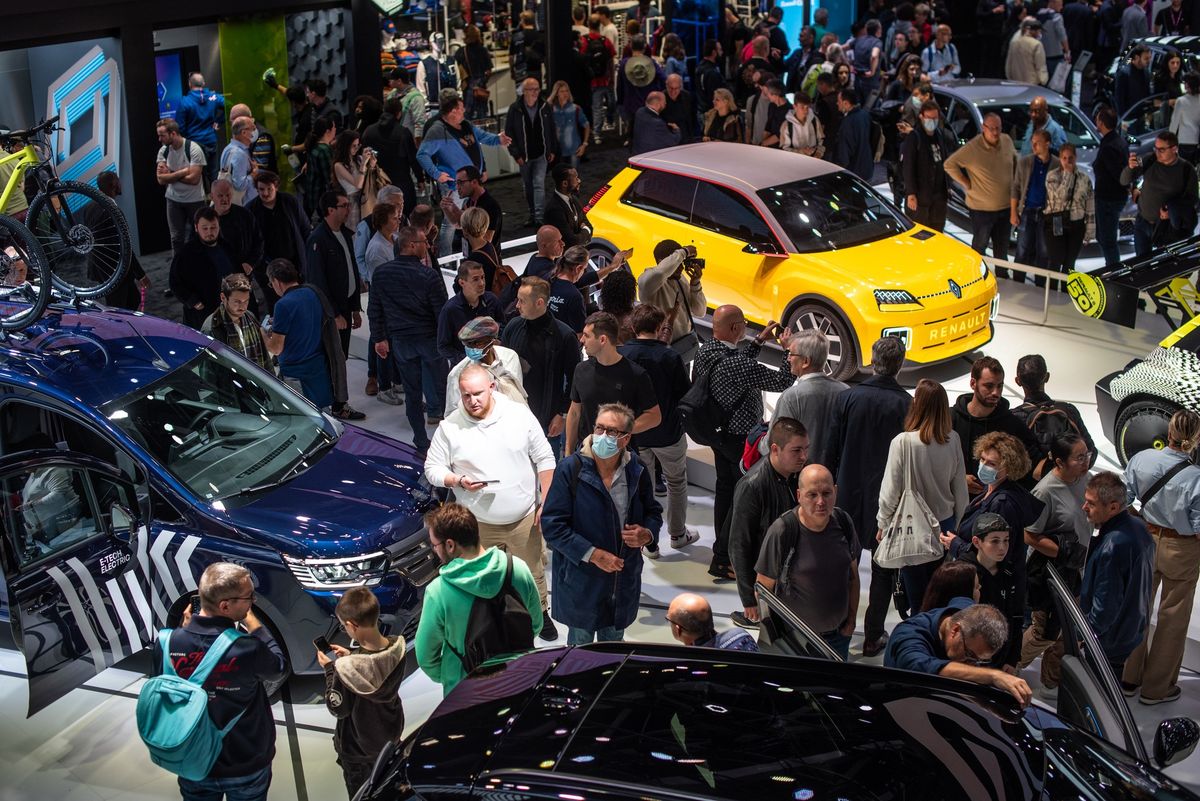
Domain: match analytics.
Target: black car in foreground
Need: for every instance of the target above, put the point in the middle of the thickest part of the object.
(626, 721)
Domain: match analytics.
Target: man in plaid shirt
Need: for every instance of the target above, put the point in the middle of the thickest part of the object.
(234, 325)
(737, 383)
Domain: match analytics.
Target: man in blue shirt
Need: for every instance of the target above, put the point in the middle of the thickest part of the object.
(295, 333)
(954, 641)
(238, 161)
(1028, 201)
(1116, 589)
(201, 112)
(691, 621)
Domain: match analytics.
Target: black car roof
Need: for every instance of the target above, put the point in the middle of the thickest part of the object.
(1184, 44)
(726, 724)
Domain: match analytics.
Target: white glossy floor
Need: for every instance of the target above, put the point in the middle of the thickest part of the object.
(86, 746)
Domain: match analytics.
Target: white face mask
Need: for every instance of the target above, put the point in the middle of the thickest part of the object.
(929, 125)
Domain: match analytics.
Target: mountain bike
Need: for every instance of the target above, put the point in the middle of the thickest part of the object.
(82, 233)
(25, 284)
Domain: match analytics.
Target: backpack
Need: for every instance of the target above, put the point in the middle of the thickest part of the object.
(1046, 421)
(791, 540)
(703, 416)
(597, 57)
(750, 452)
(496, 626)
(172, 713)
(188, 144)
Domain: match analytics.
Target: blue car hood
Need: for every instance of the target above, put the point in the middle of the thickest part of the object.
(362, 495)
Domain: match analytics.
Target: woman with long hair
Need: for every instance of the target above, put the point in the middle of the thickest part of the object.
(570, 123)
(1069, 216)
(675, 58)
(317, 175)
(350, 170)
(723, 122)
(476, 63)
(929, 453)
(951, 580)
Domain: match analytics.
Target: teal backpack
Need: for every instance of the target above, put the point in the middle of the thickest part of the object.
(172, 713)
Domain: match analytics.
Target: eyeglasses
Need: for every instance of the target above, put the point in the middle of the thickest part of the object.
(614, 432)
(971, 657)
(343, 205)
(1158, 149)
(252, 597)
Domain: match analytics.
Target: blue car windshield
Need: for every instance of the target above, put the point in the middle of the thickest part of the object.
(831, 212)
(221, 427)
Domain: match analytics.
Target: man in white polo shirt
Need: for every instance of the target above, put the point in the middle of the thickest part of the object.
(491, 451)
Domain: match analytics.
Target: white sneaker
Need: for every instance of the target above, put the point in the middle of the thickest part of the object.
(649, 554)
(689, 536)
(390, 396)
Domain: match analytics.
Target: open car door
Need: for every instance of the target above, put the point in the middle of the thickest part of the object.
(73, 557)
(1088, 694)
(780, 631)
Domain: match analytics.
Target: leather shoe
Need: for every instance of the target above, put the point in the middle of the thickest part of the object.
(372, 387)
(549, 632)
(875, 648)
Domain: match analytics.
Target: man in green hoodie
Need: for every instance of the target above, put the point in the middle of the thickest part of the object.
(468, 572)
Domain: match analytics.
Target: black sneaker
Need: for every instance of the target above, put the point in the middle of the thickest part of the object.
(740, 619)
(660, 486)
(348, 412)
(549, 632)
(1129, 689)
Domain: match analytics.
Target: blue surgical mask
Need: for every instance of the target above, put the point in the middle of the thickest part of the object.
(929, 125)
(475, 354)
(604, 446)
(916, 101)
(986, 474)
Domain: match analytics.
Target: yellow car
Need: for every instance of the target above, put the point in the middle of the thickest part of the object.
(796, 239)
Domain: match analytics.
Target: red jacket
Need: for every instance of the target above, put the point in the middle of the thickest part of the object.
(606, 79)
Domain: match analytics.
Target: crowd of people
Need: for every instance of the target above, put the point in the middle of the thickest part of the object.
(555, 407)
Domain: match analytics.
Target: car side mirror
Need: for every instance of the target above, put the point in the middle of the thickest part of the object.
(763, 249)
(123, 520)
(1175, 740)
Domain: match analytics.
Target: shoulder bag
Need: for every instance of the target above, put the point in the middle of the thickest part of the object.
(912, 537)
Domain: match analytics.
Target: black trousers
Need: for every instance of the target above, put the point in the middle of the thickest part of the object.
(1062, 251)
(727, 456)
(879, 598)
(931, 216)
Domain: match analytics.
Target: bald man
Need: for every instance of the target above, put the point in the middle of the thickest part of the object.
(263, 149)
(650, 130)
(550, 247)
(809, 559)
(691, 621)
(679, 109)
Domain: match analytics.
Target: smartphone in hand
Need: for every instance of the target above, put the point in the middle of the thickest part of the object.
(324, 647)
(196, 605)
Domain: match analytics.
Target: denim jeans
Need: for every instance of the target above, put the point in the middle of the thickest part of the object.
(533, 174)
(916, 577)
(838, 642)
(1143, 237)
(1108, 228)
(993, 227)
(602, 96)
(584, 636)
(239, 788)
(1031, 239)
(422, 371)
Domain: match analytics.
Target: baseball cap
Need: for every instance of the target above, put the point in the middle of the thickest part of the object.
(988, 522)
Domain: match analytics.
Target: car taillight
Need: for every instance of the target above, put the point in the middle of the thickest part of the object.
(595, 198)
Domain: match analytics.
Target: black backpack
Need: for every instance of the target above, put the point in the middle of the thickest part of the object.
(703, 416)
(1046, 421)
(496, 626)
(597, 56)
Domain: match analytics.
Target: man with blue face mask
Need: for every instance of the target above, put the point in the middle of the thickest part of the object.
(922, 154)
(237, 166)
(599, 514)
(481, 339)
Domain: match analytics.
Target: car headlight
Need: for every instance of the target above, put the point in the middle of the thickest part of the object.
(983, 268)
(894, 297)
(339, 574)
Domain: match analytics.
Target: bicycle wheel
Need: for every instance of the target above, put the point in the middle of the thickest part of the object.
(24, 276)
(85, 237)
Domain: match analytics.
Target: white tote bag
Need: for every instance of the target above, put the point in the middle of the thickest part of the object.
(913, 534)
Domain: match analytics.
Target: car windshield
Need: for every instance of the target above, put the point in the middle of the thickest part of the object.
(221, 427)
(1015, 121)
(830, 212)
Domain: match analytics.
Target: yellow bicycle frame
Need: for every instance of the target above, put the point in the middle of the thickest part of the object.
(26, 157)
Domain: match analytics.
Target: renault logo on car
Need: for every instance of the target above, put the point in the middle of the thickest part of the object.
(955, 289)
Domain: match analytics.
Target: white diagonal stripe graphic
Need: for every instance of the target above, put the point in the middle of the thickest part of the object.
(122, 609)
(157, 555)
(76, 607)
(181, 561)
(138, 593)
(99, 607)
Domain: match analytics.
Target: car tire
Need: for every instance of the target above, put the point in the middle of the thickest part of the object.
(843, 362)
(1141, 425)
(600, 254)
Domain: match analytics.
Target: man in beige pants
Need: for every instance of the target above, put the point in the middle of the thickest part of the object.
(492, 452)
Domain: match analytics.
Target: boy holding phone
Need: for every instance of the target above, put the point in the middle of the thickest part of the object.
(362, 687)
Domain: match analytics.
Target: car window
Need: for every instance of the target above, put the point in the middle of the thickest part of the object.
(724, 211)
(1143, 118)
(961, 121)
(1013, 119)
(832, 211)
(662, 193)
(47, 510)
(1078, 132)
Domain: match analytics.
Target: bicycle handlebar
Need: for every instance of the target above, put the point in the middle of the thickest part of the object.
(27, 133)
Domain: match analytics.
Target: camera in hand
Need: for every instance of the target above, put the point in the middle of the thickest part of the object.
(693, 265)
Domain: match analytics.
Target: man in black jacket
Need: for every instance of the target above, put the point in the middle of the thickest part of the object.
(405, 299)
(680, 110)
(760, 497)
(708, 75)
(563, 209)
(549, 352)
(530, 126)
(983, 410)
(651, 130)
(239, 233)
(197, 270)
(1111, 194)
(1132, 83)
(331, 267)
(853, 148)
(864, 421)
(284, 228)
(395, 150)
(922, 154)
(235, 687)
(665, 443)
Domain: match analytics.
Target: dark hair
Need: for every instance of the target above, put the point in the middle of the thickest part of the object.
(849, 95)
(320, 127)
(826, 78)
(266, 177)
(929, 105)
(394, 105)
(453, 521)
(776, 87)
(603, 324)
(906, 12)
(646, 319)
(559, 173)
(448, 104)
(471, 171)
(784, 430)
(235, 282)
(317, 86)
(1062, 445)
(617, 297)
(283, 271)
(710, 48)
(1167, 136)
(407, 235)
(873, 27)
(107, 181)
(1138, 50)
(400, 74)
(371, 109)
(986, 363)
(341, 147)
(359, 606)
(1107, 117)
(1032, 372)
(801, 99)
(638, 44)
(205, 213)
(950, 580)
(421, 216)
(465, 268)
(295, 95)
(665, 248)
(929, 414)
(329, 200)
(380, 215)
(1192, 82)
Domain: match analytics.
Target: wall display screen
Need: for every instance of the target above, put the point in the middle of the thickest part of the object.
(168, 71)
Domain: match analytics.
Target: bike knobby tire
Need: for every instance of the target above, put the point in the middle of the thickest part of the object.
(23, 298)
(85, 238)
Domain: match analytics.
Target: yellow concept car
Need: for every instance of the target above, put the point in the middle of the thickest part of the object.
(799, 240)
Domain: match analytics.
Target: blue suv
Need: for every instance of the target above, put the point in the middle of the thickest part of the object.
(134, 452)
